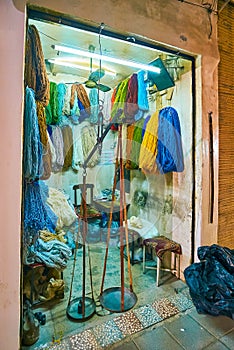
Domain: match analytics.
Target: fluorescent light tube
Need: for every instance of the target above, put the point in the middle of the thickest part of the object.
(60, 62)
(97, 56)
(68, 64)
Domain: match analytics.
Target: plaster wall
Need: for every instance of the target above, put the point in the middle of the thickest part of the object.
(11, 97)
(172, 23)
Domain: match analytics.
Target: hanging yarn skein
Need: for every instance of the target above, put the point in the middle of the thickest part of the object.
(35, 69)
(32, 154)
(148, 151)
(37, 213)
(170, 153)
(47, 154)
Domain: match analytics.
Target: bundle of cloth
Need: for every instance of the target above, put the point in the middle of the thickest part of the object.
(58, 203)
(54, 254)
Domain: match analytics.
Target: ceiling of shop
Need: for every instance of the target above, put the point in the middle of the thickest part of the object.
(52, 34)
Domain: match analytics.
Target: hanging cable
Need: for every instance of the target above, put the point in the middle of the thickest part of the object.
(209, 7)
(100, 114)
(210, 23)
(204, 6)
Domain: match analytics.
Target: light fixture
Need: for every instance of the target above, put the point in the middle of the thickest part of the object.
(63, 62)
(97, 56)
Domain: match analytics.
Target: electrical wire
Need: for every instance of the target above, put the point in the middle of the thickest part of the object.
(204, 6)
(210, 23)
(48, 36)
(100, 114)
(209, 7)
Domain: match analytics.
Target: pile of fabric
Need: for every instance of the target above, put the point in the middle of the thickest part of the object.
(46, 212)
(53, 254)
(59, 204)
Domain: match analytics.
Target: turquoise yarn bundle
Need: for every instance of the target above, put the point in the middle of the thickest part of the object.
(61, 92)
(37, 213)
(32, 154)
(94, 107)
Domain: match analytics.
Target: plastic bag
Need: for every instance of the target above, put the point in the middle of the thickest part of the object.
(211, 282)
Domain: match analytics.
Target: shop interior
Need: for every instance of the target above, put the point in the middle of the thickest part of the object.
(107, 168)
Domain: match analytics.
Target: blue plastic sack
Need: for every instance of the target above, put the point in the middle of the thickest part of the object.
(211, 282)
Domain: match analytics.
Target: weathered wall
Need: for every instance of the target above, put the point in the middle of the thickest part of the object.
(226, 100)
(170, 22)
(11, 73)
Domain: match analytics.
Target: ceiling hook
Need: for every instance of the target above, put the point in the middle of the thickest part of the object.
(131, 38)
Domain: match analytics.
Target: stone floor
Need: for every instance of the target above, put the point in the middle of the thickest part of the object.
(162, 318)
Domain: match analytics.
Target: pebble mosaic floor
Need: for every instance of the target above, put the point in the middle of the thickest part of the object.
(103, 335)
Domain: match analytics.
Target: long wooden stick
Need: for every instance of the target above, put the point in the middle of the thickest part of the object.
(121, 217)
(211, 204)
(84, 235)
(110, 218)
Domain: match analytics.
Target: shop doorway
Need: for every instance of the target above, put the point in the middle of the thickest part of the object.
(91, 82)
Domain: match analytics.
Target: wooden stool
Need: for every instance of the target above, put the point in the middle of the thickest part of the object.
(161, 245)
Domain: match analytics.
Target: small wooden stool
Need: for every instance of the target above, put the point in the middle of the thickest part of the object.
(161, 245)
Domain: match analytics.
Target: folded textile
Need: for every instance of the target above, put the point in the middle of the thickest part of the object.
(47, 236)
(54, 254)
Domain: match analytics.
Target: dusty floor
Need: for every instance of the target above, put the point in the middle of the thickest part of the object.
(58, 325)
(162, 318)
